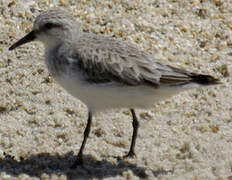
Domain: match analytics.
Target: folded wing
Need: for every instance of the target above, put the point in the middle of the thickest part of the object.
(106, 60)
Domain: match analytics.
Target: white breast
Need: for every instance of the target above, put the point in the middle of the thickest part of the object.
(103, 96)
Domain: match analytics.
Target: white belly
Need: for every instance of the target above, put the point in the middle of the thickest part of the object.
(103, 96)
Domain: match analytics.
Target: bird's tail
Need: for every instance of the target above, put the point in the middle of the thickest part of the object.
(204, 79)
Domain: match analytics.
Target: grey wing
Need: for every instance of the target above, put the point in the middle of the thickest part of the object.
(106, 60)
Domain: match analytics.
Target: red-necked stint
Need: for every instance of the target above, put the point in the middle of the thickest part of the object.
(104, 72)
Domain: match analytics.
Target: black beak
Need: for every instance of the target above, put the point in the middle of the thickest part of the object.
(28, 38)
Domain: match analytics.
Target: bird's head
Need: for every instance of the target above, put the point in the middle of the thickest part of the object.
(51, 27)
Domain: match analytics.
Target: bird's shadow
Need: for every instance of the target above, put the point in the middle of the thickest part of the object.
(44, 163)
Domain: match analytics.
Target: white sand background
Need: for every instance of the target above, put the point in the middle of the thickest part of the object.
(188, 136)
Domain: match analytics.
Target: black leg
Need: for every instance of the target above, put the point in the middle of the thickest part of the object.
(79, 160)
(135, 124)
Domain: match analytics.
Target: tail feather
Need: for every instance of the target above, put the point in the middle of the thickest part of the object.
(204, 79)
(183, 77)
(189, 78)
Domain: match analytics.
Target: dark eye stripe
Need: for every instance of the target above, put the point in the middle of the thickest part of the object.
(48, 26)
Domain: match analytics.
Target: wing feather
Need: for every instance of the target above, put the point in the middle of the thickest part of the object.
(105, 60)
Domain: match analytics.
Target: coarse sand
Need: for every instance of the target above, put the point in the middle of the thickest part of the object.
(187, 136)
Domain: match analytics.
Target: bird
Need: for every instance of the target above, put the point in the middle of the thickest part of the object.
(104, 72)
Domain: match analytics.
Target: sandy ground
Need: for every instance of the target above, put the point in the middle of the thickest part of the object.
(188, 136)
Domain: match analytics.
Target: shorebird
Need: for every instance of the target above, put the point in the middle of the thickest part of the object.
(104, 72)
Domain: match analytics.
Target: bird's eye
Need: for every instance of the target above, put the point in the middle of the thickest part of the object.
(49, 25)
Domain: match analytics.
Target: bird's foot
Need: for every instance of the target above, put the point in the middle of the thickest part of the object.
(78, 162)
(130, 154)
